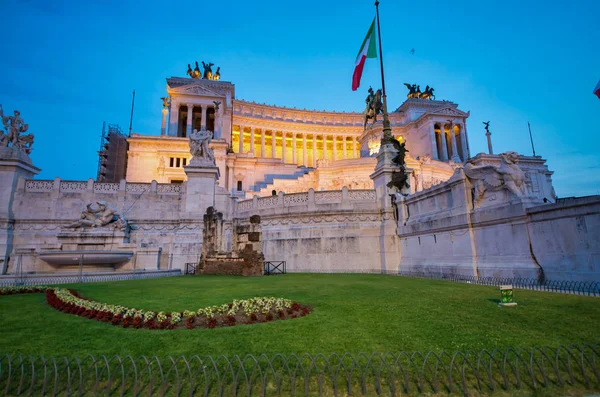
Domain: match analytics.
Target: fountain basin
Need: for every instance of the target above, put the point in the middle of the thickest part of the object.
(96, 258)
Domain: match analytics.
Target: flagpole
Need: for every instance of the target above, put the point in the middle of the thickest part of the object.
(387, 130)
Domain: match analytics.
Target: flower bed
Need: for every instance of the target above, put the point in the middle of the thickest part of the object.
(248, 311)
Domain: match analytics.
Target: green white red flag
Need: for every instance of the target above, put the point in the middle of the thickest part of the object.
(367, 50)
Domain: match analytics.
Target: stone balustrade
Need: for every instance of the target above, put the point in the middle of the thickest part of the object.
(57, 184)
(320, 201)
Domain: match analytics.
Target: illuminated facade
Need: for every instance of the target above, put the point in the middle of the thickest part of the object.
(260, 148)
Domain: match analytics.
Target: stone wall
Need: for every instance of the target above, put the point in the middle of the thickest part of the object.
(443, 230)
(162, 237)
(565, 238)
(329, 231)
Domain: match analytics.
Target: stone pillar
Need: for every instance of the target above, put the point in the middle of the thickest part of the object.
(434, 151)
(230, 176)
(262, 143)
(344, 147)
(251, 142)
(203, 121)
(217, 132)
(466, 139)
(283, 147)
(174, 118)
(294, 155)
(455, 156)
(241, 143)
(443, 139)
(489, 141)
(163, 126)
(15, 168)
(463, 142)
(274, 144)
(304, 156)
(334, 138)
(188, 124)
(354, 139)
(314, 150)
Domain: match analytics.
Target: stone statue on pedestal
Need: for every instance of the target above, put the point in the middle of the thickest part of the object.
(491, 177)
(15, 127)
(201, 153)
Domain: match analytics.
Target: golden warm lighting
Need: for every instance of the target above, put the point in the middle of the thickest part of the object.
(374, 145)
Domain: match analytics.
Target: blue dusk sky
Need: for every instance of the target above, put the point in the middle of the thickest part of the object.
(68, 66)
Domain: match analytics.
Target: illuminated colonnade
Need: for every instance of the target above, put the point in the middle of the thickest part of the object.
(294, 147)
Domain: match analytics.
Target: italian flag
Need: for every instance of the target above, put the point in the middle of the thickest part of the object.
(368, 49)
(596, 90)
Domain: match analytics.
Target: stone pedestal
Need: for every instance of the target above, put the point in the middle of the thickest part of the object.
(370, 139)
(383, 175)
(200, 187)
(14, 165)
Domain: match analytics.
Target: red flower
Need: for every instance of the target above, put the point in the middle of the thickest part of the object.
(212, 322)
(269, 317)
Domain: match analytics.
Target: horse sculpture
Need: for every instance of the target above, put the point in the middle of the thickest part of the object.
(414, 91)
(374, 106)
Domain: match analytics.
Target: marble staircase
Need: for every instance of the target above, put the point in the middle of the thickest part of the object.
(277, 182)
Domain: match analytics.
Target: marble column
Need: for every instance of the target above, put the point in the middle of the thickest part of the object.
(262, 144)
(203, 121)
(345, 144)
(314, 150)
(188, 126)
(251, 142)
(163, 126)
(434, 151)
(294, 155)
(241, 143)
(304, 154)
(443, 142)
(273, 144)
(174, 118)
(463, 142)
(455, 156)
(334, 147)
(283, 146)
(217, 133)
(229, 178)
(354, 139)
(466, 139)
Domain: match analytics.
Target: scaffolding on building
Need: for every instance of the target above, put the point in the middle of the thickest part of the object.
(112, 156)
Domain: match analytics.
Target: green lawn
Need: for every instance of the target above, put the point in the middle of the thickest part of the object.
(352, 313)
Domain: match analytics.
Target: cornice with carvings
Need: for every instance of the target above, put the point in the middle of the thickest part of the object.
(305, 219)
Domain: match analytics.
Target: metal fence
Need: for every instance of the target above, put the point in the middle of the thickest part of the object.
(590, 288)
(274, 267)
(84, 277)
(303, 375)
